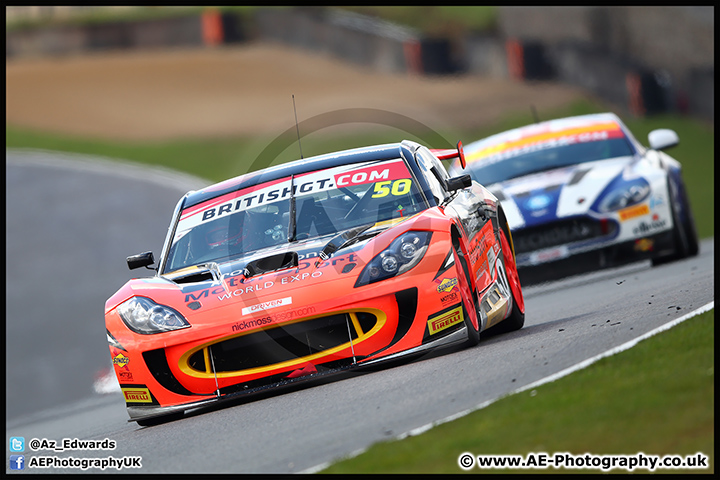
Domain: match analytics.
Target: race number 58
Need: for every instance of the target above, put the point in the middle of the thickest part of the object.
(397, 187)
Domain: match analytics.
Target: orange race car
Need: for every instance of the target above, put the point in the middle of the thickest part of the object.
(312, 267)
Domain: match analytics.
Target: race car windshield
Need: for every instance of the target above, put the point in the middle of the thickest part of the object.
(327, 202)
(541, 157)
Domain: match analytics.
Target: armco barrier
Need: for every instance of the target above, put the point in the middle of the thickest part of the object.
(384, 46)
(71, 39)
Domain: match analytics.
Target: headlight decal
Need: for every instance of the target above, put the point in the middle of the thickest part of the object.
(112, 341)
(402, 254)
(143, 316)
(622, 193)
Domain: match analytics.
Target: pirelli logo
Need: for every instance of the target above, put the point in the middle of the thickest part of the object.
(632, 212)
(445, 320)
(137, 395)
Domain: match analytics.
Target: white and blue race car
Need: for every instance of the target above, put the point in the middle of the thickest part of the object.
(582, 193)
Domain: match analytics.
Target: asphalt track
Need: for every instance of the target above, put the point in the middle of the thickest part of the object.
(70, 224)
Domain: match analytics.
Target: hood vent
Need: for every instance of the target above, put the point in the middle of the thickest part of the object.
(271, 263)
(203, 275)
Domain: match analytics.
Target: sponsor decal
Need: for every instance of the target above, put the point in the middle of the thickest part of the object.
(452, 297)
(125, 376)
(538, 202)
(632, 212)
(372, 174)
(137, 395)
(535, 142)
(647, 227)
(271, 319)
(267, 305)
(477, 247)
(644, 244)
(656, 201)
(550, 254)
(447, 285)
(244, 286)
(491, 256)
(121, 361)
(445, 320)
(268, 193)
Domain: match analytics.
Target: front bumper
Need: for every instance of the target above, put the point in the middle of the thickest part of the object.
(603, 256)
(228, 359)
(138, 412)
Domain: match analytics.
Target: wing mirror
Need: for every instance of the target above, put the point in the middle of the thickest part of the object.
(461, 154)
(457, 183)
(662, 138)
(140, 260)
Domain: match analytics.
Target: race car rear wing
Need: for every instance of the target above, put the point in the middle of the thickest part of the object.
(450, 153)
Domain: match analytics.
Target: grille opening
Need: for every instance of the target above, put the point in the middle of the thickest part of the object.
(367, 321)
(558, 233)
(283, 343)
(197, 361)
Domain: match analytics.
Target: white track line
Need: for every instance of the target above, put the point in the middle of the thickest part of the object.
(548, 379)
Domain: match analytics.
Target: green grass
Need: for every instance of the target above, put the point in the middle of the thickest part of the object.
(656, 398)
(221, 158)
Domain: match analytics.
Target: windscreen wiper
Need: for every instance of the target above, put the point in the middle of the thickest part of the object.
(346, 238)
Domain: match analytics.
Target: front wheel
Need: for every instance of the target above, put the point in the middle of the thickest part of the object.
(516, 320)
(473, 333)
(684, 235)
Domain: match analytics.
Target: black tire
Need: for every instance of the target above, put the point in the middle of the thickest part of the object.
(516, 320)
(473, 333)
(684, 235)
(689, 225)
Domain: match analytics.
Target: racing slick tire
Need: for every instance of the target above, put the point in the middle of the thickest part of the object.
(689, 225)
(684, 234)
(516, 320)
(473, 333)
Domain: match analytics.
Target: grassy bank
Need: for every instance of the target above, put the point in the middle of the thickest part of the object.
(656, 398)
(218, 159)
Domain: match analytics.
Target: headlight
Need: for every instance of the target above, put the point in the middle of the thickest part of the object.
(142, 315)
(403, 254)
(628, 193)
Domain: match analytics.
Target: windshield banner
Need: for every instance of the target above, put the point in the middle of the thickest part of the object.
(525, 143)
(305, 184)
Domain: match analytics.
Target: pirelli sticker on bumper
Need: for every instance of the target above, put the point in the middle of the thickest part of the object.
(632, 212)
(137, 395)
(445, 320)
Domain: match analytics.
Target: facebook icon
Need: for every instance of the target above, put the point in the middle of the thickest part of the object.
(17, 462)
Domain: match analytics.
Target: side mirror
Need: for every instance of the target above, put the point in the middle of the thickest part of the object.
(662, 138)
(140, 260)
(456, 183)
(461, 154)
